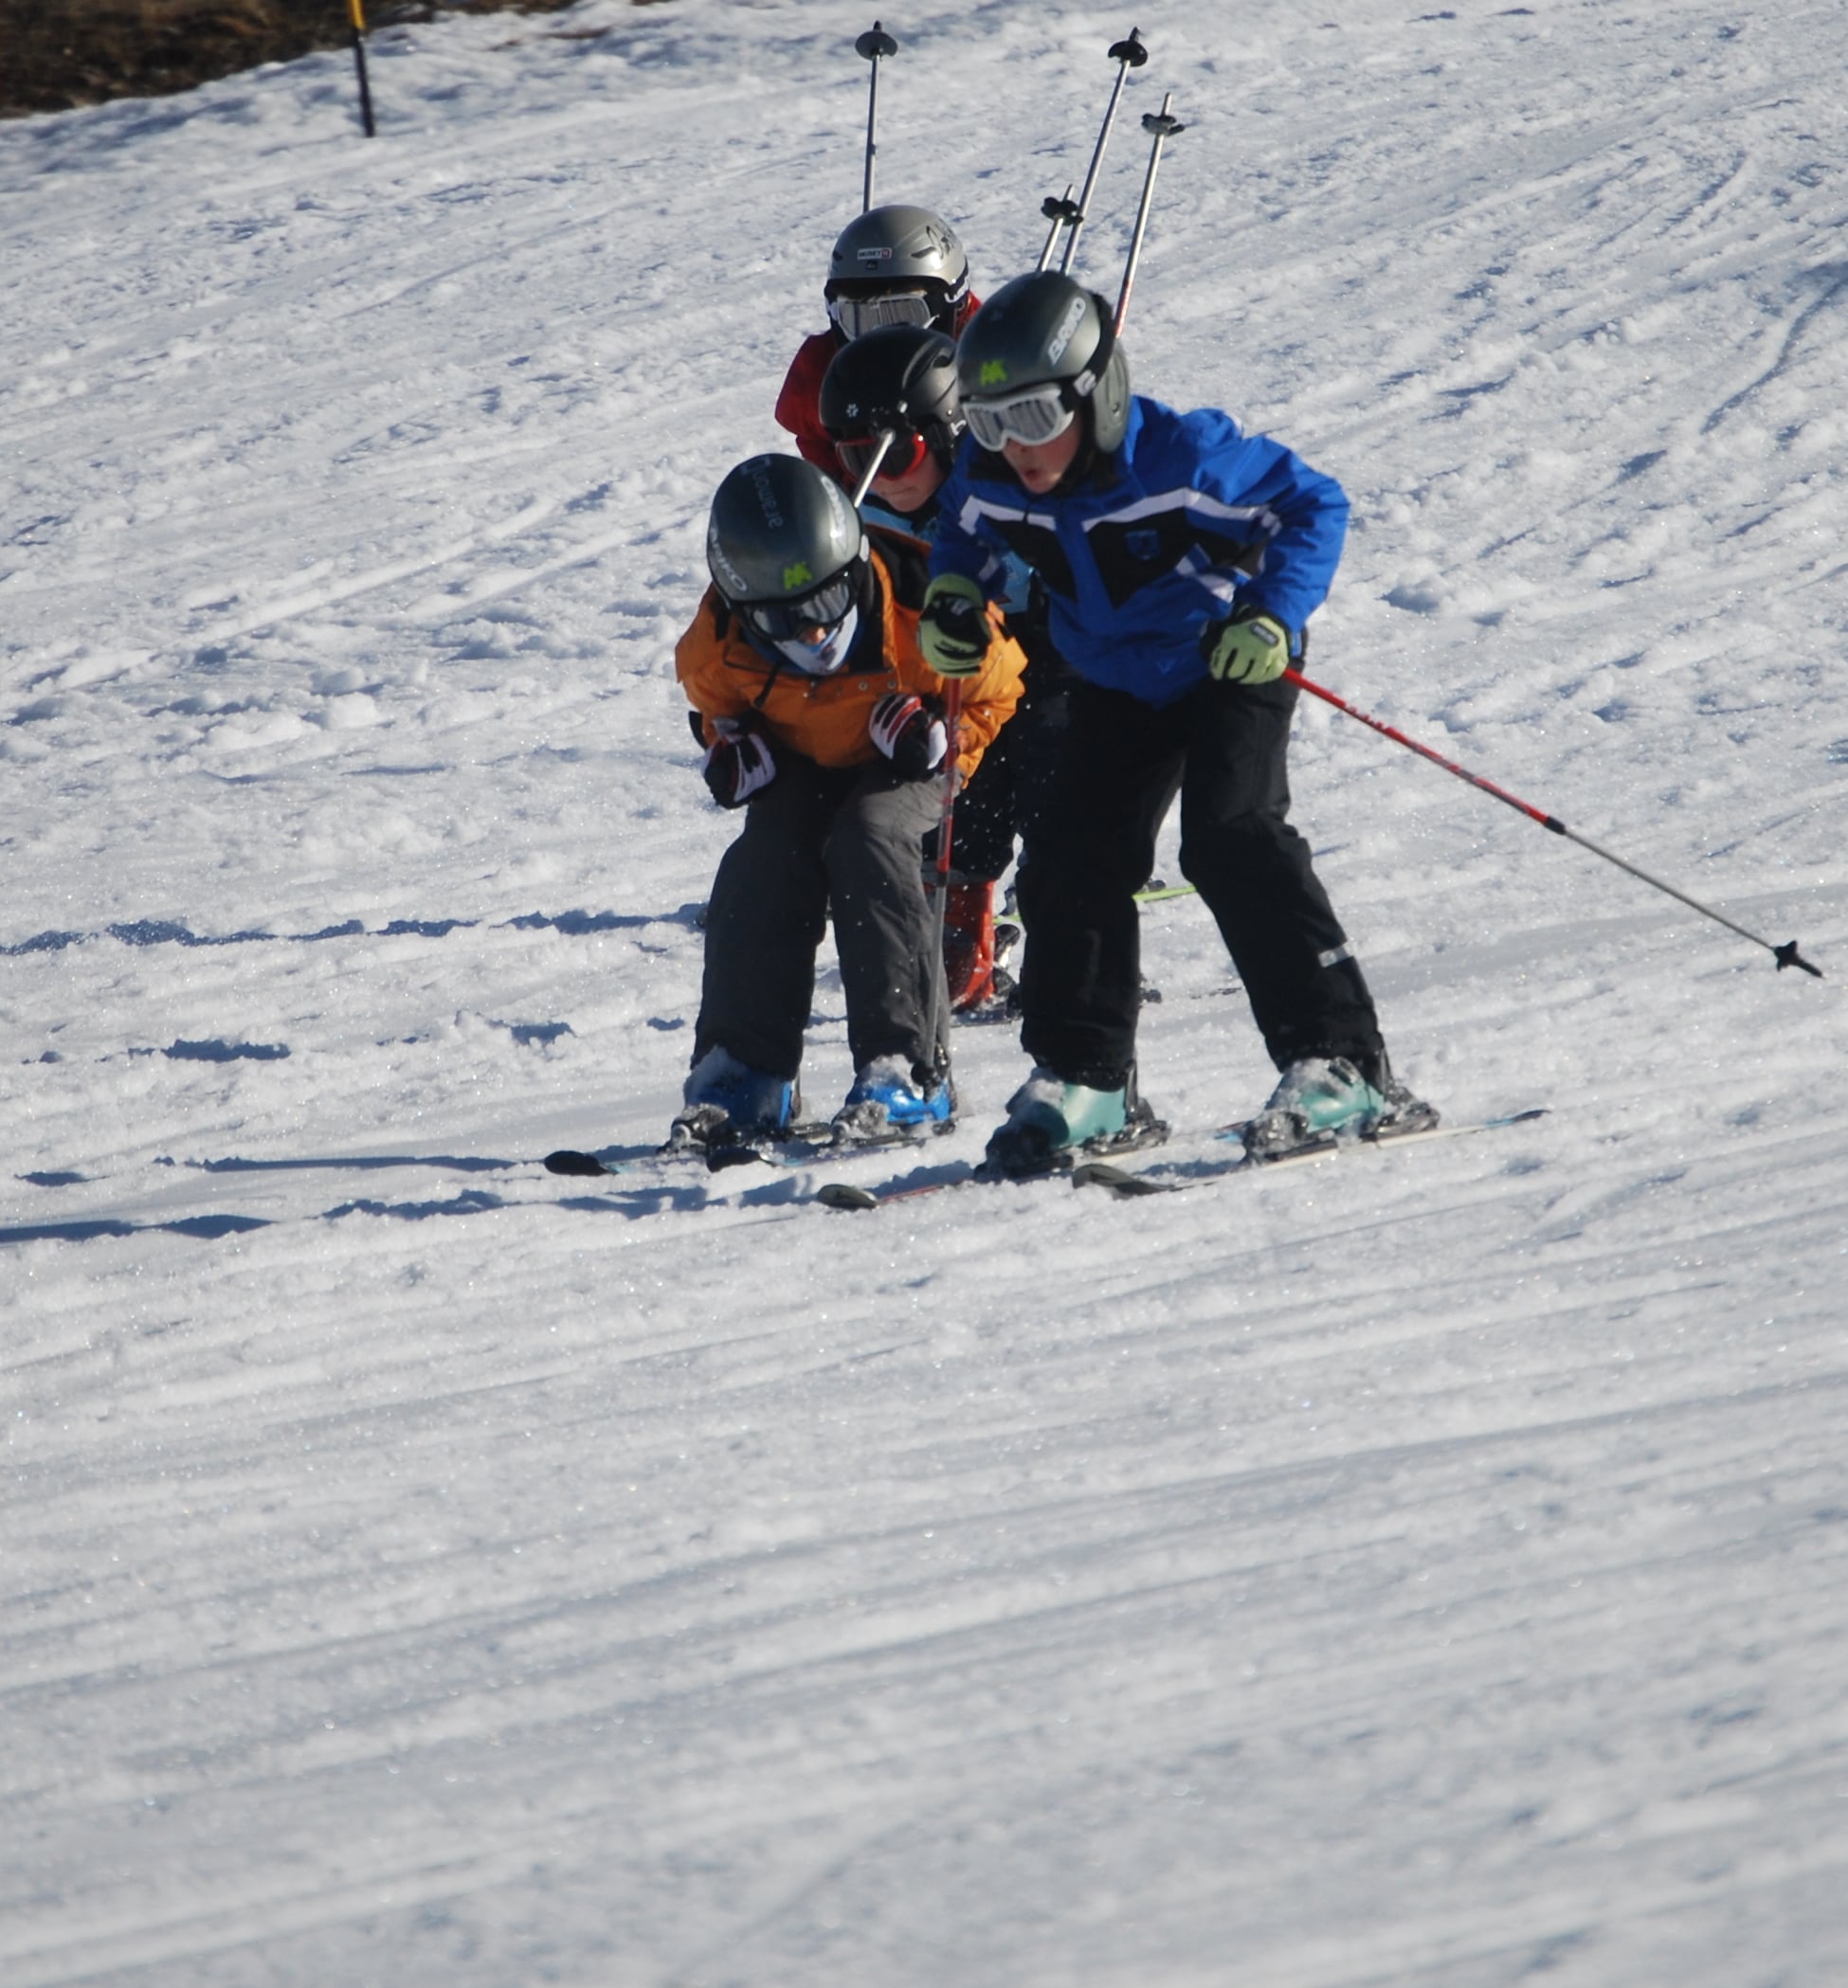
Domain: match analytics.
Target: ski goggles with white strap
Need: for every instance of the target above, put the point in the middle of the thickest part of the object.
(1032, 418)
(857, 316)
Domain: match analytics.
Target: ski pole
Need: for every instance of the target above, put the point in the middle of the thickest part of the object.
(953, 711)
(1786, 955)
(886, 439)
(871, 46)
(353, 8)
(1126, 55)
(1163, 127)
(952, 726)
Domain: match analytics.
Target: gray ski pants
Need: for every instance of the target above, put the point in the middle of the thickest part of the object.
(818, 837)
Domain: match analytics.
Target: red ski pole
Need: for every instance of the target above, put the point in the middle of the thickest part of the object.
(1784, 955)
(952, 725)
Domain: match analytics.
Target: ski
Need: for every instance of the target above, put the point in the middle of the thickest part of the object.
(809, 1149)
(799, 1145)
(581, 1165)
(842, 1194)
(1127, 1182)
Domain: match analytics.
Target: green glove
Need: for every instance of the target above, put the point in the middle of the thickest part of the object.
(1249, 648)
(954, 630)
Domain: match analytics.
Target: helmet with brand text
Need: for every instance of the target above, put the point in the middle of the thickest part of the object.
(903, 378)
(784, 545)
(896, 265)
(1041, 349)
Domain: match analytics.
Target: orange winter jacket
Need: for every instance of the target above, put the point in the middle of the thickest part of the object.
(825, 718)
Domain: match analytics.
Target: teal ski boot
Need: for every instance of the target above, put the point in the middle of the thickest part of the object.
(1320, 1100)
(1051, 1122)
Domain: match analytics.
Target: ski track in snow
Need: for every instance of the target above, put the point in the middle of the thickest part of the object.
(1422, 1567)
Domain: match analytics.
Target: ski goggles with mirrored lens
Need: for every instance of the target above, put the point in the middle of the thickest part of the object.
(857, 316)
(906, 453)
(822, 607)
(1037, 416)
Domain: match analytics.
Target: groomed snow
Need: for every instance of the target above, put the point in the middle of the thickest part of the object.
(1423, 1569)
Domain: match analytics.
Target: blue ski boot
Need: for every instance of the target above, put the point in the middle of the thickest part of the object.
(727, 1103)
(887, 1102)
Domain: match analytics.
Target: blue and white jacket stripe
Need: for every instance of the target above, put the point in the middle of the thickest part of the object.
(1188, 518)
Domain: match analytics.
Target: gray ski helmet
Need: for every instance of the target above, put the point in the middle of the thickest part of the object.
(902, 376)
(900, 248)
(781, 531)
(1044, 328)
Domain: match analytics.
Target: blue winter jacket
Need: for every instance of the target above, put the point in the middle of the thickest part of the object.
(1011, 589)
(1188, 518)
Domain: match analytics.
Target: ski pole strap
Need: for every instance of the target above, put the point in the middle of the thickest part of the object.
(1786, 955)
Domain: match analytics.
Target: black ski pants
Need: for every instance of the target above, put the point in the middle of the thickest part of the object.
(1007, 796)
(816, 837)
(1225, 746)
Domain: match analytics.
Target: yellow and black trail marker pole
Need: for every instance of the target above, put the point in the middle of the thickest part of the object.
(359, 63)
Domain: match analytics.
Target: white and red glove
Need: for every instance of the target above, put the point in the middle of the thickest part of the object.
(910, 734)
(738, 763)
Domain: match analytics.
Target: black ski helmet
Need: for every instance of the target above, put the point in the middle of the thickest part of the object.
(1044, 329)
(898, 248)
(902, 377)
(783, 533)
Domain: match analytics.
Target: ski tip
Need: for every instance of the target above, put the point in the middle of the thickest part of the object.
(577, 1165)
(1100, 1173)
(838, 1194)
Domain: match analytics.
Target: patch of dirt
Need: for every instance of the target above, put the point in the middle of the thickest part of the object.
(61, 54)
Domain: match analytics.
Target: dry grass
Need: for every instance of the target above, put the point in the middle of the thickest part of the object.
(58, 54)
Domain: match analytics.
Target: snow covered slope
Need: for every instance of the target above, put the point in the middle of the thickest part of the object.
(1423, 1569)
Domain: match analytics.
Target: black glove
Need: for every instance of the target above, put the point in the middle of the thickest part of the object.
(910, 734)
(738, 763)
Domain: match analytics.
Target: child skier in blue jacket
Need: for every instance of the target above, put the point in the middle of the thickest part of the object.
(1182, 559)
